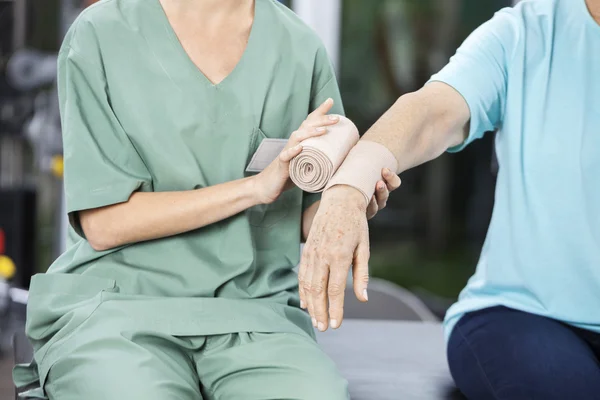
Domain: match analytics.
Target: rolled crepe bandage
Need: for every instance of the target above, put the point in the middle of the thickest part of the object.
(362, 167)
(321, 156)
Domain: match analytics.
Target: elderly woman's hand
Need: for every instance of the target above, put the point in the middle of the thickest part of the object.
(339, 238)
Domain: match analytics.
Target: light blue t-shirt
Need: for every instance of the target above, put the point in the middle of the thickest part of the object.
(533, 74)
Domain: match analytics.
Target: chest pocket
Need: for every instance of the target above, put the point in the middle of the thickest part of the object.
(269, 215)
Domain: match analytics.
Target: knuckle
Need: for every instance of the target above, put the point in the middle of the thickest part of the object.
(335, 290)
(306, 286)
(318, 287)
(338, 256)
(317, 253)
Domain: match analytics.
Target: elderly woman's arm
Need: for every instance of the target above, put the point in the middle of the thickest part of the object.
(419, 127)
(470, 93)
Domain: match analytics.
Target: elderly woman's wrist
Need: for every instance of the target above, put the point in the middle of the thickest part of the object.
(346, 196)
(363, 166)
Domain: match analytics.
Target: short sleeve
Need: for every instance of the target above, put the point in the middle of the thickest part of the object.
(324, 86)
(324, 83)
(102, 166)
(479, 72)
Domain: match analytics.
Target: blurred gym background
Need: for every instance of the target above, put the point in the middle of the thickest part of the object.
(427, 240)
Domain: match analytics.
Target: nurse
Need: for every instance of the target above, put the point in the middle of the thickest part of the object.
(178, 281)
(527, 325)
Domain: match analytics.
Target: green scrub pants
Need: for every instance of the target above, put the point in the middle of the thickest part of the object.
(94, 343)
(245, 366)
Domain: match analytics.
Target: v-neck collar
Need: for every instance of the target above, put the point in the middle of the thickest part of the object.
(168, 35)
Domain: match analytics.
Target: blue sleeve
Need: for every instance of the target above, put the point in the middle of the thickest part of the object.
(479, 72)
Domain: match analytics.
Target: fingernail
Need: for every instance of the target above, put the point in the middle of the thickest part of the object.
(380, 186)
(365, 295)
(387, 172)
(314, 322)
(334, 117)
(320, 129)
(321, 326)
(302, 304)
(334, 323)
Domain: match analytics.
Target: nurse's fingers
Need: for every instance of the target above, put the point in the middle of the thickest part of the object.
(319, 284)
(286, 155)
(321, 120)
(302, 134)
(322, 109)
(392, 180)
(335, 291)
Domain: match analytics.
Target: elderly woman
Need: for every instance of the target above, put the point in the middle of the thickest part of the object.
(178, 282)
(527, 325)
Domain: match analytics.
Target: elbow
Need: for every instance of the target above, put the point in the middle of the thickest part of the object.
(447, 114)
(98, 232)
(99, 244)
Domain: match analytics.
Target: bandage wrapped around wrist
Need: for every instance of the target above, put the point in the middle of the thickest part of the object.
(321, 156)
(363, 167)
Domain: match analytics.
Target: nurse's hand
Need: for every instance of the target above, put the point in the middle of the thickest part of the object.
(275, 179)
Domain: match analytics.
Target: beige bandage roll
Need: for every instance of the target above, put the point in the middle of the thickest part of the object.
(321, 156)
(363, 166)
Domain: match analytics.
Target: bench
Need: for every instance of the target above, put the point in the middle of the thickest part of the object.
(390, 360)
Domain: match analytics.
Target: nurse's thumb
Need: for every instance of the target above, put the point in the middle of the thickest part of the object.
(287, 155)
(360, 270)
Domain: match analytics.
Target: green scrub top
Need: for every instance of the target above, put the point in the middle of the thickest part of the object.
(138, 115)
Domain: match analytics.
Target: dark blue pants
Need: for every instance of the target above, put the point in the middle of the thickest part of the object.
(499, 353)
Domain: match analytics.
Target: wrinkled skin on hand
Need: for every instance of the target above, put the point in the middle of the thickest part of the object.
(339, 238)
